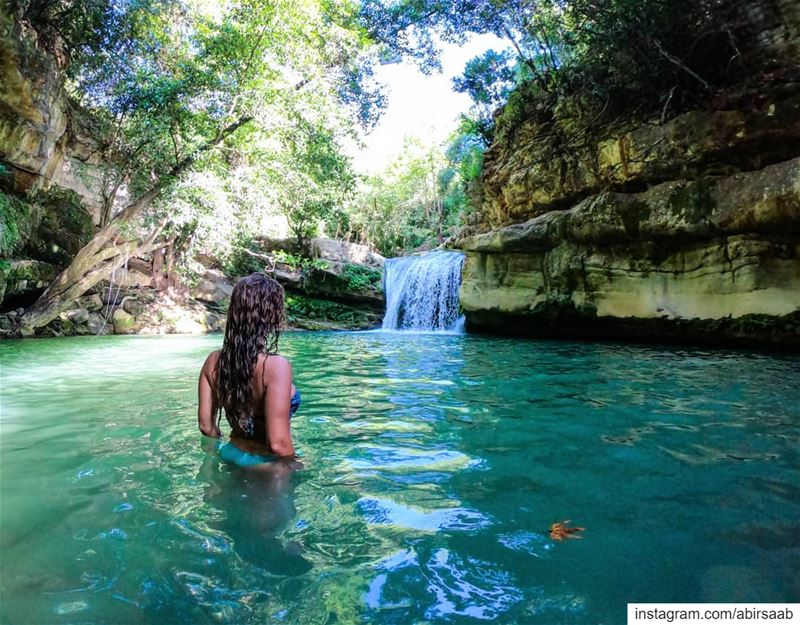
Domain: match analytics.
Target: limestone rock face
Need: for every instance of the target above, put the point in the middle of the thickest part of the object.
(549, 155)
(45, 139)
(678, 227)
(529, 175)
(716, 255)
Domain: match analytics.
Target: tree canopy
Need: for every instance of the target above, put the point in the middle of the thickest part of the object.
(260, 95)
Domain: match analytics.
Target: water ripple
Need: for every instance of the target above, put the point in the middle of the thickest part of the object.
(433, 467)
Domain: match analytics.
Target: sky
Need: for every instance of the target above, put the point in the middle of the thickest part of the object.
(419, 105)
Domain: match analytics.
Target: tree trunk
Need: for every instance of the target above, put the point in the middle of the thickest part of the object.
(159, 279)
(87, 269)
(108, 249)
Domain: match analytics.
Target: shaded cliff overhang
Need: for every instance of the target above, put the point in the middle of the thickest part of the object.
(46, 139)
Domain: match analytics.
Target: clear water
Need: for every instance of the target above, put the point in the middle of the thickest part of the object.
(434, 468)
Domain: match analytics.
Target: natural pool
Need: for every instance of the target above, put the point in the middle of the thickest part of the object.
(434, 467)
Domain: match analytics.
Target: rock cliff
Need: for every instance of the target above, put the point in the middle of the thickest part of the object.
(664, 229)
(709, 259)
(45, 139)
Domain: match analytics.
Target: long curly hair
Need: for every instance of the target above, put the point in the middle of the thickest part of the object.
(255, 322)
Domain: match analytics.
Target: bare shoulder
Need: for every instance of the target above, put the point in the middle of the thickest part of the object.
(276, 366)
(211, 362)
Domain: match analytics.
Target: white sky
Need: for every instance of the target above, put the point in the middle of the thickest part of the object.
(419, 105)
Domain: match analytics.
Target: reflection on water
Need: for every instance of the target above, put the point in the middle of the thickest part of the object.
(434, 466)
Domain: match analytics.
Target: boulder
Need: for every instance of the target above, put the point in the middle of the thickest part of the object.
(77, 316)
(97, 324)
(132, 306)
(91, 302)
(132, 277)
(123, 322)
(213, 287)
(345, 252)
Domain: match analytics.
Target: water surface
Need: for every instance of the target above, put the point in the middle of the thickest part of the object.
(434, 466)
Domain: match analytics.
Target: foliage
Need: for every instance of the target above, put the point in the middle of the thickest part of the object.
(238, 262)
(300, 308)
(422, 196)
(397, 208)
(12, 212)
(609, 57)
(226, 113)
(299, 262)
(359, 277)
(242, 263)
(312, 179)
(487, 79)
(48, 225)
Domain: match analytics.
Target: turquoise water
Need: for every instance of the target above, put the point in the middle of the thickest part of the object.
(434, 466)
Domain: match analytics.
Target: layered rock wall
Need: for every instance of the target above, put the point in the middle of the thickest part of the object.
(681, 227)
(45, 140)
(716, 258)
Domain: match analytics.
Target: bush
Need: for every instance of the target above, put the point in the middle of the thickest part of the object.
(359, 278)
(12, 212)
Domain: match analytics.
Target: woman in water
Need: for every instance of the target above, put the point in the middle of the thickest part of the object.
(248, 380)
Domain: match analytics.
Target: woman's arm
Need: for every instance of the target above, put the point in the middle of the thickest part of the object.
(206, 406)
(276, 405)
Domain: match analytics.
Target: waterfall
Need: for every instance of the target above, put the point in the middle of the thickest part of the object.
(422, 292)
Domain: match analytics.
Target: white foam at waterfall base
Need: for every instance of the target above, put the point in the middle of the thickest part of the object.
(422, 292)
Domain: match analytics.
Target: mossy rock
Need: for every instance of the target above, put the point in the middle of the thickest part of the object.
(321, 314)
(63, 226)
(14, 223)
(123, 322)
(21, 277)
(345, 282)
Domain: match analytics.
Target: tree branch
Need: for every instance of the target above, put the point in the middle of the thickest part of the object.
(678, 63)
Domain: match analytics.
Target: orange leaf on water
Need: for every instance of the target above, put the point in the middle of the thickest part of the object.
(561, 530)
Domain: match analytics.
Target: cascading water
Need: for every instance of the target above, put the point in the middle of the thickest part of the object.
(422, 292)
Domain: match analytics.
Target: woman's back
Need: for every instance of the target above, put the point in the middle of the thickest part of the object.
(247, 378)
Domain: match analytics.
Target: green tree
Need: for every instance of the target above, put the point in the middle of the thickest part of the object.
(180, 86)
(314, 179)
(417, 199)
(609, 55)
